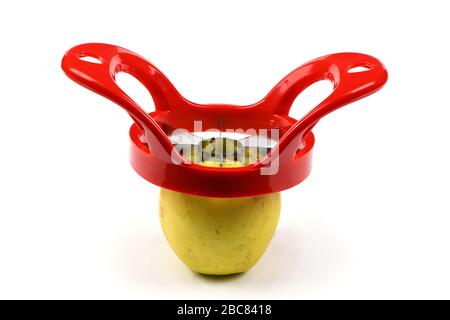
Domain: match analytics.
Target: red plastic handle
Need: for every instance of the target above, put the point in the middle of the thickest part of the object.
(294, 148)
(100, 78)
(348, 87)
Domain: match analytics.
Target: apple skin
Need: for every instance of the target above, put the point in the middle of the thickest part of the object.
(218, 236)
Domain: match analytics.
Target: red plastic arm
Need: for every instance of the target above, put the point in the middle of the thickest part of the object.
(348, 87)
(100, 78)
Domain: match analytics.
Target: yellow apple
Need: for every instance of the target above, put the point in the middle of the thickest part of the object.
(218, 236)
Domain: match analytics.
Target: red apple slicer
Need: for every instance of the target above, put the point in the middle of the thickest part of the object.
(275, 150)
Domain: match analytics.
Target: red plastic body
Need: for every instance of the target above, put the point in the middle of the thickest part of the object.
(158, 162)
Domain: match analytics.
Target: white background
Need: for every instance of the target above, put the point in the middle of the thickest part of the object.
(372, 220)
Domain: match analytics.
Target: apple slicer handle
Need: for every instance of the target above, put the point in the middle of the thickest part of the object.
(348, 86)
(98, 74)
